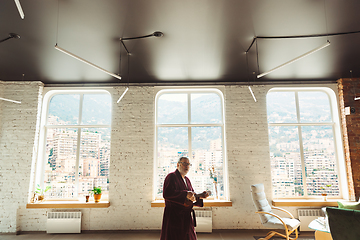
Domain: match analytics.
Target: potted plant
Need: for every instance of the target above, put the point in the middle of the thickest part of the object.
(213, 176)
(97, 193)
(324, 194)
(40, 191)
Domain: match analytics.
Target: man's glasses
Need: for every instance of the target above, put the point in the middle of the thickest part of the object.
(186, 164)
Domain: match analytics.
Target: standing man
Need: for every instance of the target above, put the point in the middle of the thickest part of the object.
(179, 217)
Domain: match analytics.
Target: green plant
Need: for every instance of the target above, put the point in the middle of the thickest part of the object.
(40, 190)
(96, 190)
(325, 187)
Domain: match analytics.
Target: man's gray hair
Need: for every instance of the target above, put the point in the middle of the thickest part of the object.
(181, 158)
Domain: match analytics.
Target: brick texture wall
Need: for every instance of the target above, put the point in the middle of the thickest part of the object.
(1, 107)
(18, 131)
(348, 89)
(132, 153)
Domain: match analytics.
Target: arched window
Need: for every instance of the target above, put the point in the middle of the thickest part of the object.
(74, 150)
(305, 143)
(190, 122)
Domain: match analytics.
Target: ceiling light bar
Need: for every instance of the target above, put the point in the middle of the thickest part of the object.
(294, 60)
(253, 95)
(9, 100)
(87, 62)
(18, 5)
(122, 95)
(357, 98)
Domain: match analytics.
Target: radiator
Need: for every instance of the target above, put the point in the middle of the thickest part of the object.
(306, 215)
(203, 221)
(63, 222)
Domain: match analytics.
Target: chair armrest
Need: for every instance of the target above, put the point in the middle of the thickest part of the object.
(273, 214)
(283, 210)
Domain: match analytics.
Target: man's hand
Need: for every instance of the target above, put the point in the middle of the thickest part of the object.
(191, 196)
(205, 194)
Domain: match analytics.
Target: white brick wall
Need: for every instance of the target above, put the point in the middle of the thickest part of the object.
(1, 107)
(132, 151)
(17, 127)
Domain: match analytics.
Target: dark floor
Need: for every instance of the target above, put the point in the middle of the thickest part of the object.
(148, 235)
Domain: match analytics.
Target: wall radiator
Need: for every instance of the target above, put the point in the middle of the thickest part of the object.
(203, 220)
(63, 222)
(306, 215)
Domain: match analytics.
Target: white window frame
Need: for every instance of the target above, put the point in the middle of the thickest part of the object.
(336, 126)
(41, 162)
(189, 125)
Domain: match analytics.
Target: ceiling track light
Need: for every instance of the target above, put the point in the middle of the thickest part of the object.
(122, 95)
(154, 34)
(18, 5)
(11, 35)
(295, 59)
(87, 62)
(9, 100)
(252, 94)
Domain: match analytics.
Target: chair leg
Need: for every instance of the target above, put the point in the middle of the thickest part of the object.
(268, 235)
(286, 235)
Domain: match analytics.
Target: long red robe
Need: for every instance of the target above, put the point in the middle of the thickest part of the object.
(178, 222)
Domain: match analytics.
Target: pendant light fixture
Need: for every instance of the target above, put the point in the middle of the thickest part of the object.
(85, 61)
(122, 95)
(77, 57)
(18, 5)
(9, 100)
(154, 34)
(247, 70)
(11, 35)
(295, 59)
(252, 93)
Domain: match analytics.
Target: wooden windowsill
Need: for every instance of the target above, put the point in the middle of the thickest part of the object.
(68, 204)
(207, 203)
(306, 202)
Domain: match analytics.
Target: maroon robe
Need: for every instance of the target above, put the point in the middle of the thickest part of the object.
(178, 220)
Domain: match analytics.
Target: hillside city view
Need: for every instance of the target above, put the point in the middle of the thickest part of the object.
(202, 141)
(206, 141)
(318, 145)
(62, 142)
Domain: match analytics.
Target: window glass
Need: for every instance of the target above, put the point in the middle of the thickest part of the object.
(61, 144)
(205, 108)
(172, 143)
(94, 160)
(201, 139)
(320, 162)
(77, 158)
(314, 107)
(281, 107)
(64, 109)
(96, 109)
(172, 108)
(285, 162)
(302, 154)
(207, 155)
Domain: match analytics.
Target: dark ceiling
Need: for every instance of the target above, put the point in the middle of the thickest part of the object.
(204, 40)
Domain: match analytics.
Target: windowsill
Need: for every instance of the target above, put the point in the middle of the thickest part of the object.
(207, 203)
(306, 202)
(68, 204)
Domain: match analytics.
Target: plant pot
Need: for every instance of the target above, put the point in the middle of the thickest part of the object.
(324, 195)
(41, 197)
(97, 197)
